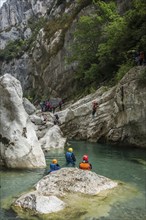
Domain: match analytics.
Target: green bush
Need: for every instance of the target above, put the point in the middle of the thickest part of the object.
(123, 69)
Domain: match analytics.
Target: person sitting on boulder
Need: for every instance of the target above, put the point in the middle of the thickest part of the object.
(70, 157)
(85, 165)
(54, 166)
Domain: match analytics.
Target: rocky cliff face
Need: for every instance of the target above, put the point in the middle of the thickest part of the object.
(120, 116)
(40, 33)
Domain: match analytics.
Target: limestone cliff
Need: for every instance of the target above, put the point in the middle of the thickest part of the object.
(120, 116)
(34, 37)
(19, 146)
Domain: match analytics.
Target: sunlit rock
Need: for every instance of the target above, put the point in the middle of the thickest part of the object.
(39, 203)
(19, 144)
(67, 180)
(37, 120)
(62, 184)
(53, 139)
(29, 107)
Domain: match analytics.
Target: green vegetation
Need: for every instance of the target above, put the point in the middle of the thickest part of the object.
(103, 39)
(63, 22)
(12, 50)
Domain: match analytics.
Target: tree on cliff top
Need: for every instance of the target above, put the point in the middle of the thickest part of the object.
(102, 40)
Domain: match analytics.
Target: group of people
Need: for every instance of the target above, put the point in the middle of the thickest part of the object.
(70, 161)
(48, 106)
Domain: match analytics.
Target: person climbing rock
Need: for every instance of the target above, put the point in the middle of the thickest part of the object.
(70, 157)
(54, 166)
(60, 105)
(85, 165)
(56, 119)
(141, 58)
(94, 108)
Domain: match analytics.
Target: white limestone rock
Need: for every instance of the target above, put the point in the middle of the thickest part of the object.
(53, 139)
(62, 183)
(19, 144)
(120, 116)
(29, 107)
(37, 120)
(39, 203)
(73, 180)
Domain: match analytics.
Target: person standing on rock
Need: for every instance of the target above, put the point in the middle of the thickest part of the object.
(70, 157)
(94, 108)
(54, 166)
(56, 119)
(85, 165)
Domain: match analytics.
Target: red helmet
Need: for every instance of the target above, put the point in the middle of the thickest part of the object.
(85, 157)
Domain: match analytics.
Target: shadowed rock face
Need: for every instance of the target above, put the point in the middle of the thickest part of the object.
(120, 116)
(19, 144)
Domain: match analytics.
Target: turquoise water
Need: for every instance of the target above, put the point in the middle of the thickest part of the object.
(122, 164)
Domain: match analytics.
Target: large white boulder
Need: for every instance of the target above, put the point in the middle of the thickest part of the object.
(62, 183)
(73, 180)
(53, 139)
(19, 144)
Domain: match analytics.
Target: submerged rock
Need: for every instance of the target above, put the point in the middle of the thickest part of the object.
(39, 203)
(67, 180)
(19, 144)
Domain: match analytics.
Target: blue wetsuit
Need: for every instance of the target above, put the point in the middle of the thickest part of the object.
(70, 158)
(53, 167)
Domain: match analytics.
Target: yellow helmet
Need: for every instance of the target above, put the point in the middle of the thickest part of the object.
(70, 149)
(54, 161)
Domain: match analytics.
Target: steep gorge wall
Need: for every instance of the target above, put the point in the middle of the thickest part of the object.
(120, 117)
(42, 33)
(41, 67)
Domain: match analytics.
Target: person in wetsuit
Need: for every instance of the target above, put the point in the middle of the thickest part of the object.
(70, 157)
(54, 166)
(85, 165)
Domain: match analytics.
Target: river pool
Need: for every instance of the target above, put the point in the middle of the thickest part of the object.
(126, 165)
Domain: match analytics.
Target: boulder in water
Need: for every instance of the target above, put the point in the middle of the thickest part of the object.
(67, 180)
(19, 144)
(39, 203)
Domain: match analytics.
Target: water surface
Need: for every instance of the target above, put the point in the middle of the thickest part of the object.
(123, 164)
